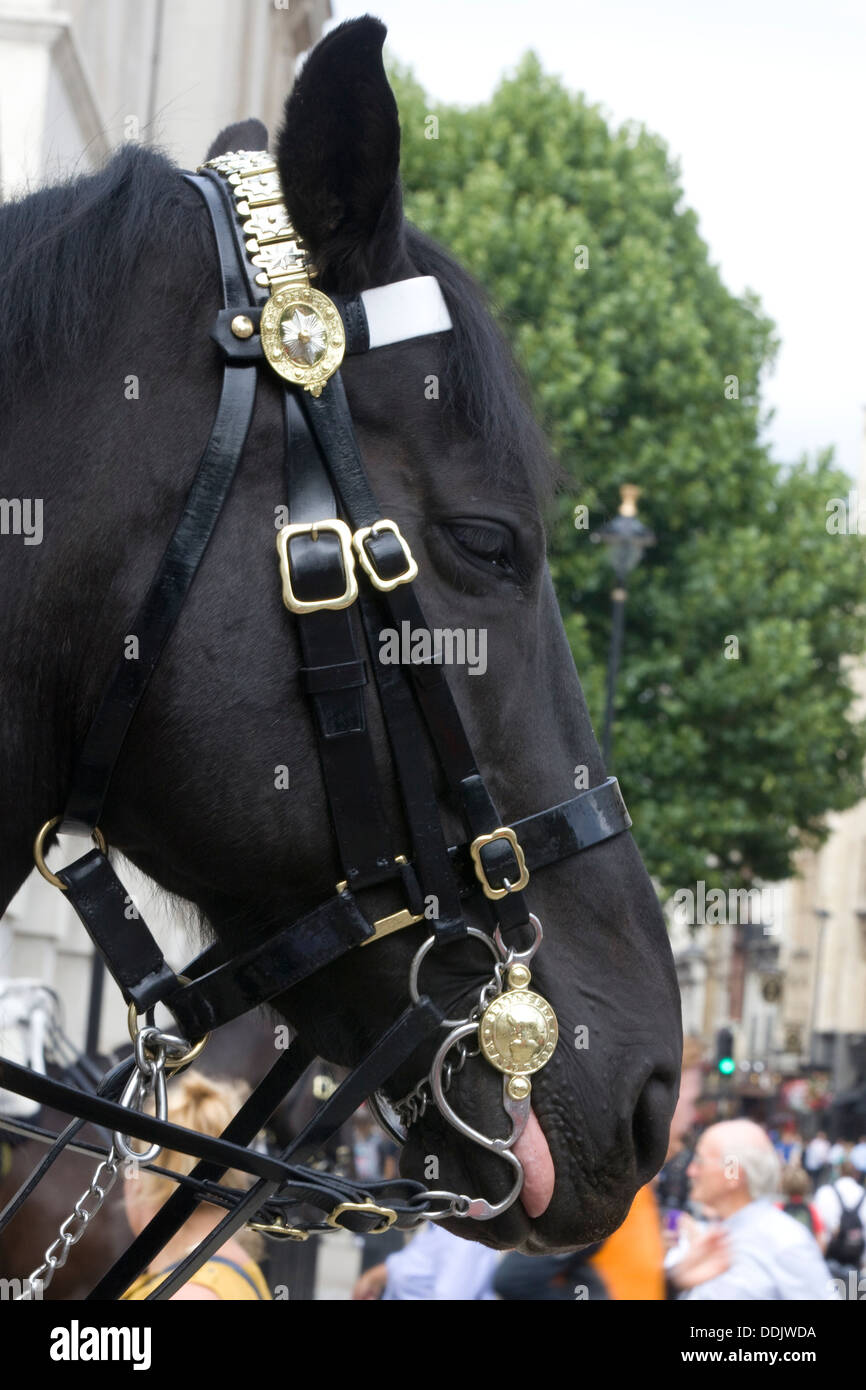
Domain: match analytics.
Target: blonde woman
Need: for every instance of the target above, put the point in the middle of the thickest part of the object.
(197, 1102)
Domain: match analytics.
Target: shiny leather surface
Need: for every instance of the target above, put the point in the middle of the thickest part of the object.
(354, 316)
(549, 836)
(103, 905)
(365, 840)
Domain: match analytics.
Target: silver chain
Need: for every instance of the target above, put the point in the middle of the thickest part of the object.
(74, 1226)
(148, 1078)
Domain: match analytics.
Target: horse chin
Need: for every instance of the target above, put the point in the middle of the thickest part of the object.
(560, 1207)
(447, 1160)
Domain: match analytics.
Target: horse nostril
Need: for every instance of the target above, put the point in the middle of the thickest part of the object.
(650, 1126)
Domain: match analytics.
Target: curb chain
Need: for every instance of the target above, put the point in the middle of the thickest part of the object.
(74, 1226)
(151, 1049)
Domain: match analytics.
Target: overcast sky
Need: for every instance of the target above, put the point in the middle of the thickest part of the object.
(763, 104)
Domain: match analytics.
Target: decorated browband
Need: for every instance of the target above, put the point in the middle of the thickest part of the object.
(302, 330)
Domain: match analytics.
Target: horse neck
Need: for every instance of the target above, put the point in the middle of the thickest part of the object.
(104, 453)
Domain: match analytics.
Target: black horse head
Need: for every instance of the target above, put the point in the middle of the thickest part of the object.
(109, 383)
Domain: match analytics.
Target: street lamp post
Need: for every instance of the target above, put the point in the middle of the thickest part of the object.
(626, 539)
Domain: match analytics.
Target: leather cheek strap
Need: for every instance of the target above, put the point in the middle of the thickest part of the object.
(119, 934)
(165, 598)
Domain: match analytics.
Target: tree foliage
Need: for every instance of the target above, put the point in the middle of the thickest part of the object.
(646, 369)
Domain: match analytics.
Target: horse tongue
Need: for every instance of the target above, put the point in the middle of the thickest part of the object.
(534, 1153)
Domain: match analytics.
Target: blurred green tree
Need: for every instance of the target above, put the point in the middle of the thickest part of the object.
(646, 369)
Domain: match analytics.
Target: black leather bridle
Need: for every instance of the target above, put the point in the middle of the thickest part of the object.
(337, 549)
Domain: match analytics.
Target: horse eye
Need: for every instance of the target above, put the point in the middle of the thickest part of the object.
(486, 541)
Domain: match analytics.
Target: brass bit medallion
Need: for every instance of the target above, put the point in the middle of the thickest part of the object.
(518, 1031)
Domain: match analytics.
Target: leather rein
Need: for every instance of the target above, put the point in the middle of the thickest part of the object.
(337, 554)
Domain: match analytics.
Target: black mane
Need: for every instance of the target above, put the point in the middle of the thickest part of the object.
(70, 254)
(486, 389)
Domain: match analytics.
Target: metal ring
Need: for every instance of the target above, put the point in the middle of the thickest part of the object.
(39, 852)
(153, 1061)
(171, 1065)
(419, 958)
(458, 1204)
(521, 957)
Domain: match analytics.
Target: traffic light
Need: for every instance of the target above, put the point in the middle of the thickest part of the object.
(725, 1052)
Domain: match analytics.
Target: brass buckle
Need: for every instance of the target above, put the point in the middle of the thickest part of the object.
(39, 851)
(503, 833)
(411, 570)
(312, 529)
(278, 1229)
(389, 1216)
(396, 921)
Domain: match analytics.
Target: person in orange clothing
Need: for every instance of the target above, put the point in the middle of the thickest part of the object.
(198, 1103)
(631, 1261)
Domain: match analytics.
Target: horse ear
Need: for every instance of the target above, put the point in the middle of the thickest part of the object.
(243, 135)
(339, 159)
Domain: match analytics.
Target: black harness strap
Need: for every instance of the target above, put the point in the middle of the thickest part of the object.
(102, 903)
(109, 1114)
(333, 681)
(333, 674)
(331, 422)
(221, 992)
(165, 599)
(252, 1116)
(111, 1086)
(586, 820)
(93, 888)
(416, 1026)
(223, 989)
(405, 734)
(406, 1035)
(354, 316)
(295, 1182)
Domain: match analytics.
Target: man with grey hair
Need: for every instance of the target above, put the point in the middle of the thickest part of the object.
(757, 1252)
